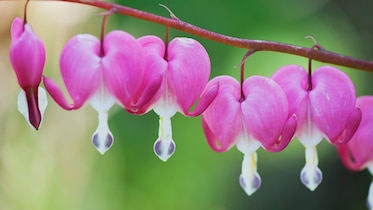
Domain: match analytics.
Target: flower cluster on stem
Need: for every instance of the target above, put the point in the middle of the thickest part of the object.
(148, 73)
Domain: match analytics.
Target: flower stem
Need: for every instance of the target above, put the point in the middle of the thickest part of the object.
(258, 45)
(103, 27)
(242, 75)
(25, 14)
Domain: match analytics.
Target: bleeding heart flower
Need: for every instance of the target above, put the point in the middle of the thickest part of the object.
(27, 56)
(101, 73)
(258, 119)
(357, 153)
(324, 104)
(185, 66)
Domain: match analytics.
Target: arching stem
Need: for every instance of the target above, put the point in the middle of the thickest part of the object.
(321, 55)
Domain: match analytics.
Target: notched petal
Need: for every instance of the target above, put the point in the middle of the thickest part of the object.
(352, 125)
(141, 104)
(207, 97)
(286, 136)
(212, 140)
(57, 95)
(347, 159)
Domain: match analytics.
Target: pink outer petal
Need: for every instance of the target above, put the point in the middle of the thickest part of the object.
(265, 112)
(294, 81)
(188, 71)
(123, 66)
(332, 102)
(155, 67)
(358, 151)
(56, 93)
(27, 54)
(80, 64)
(221, 121)
(207, 98)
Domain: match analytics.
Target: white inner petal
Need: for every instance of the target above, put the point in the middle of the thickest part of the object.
(164, 146)
(102, 101)
(23, 108)
(311, 175)
(246, 143)
(165, 108)
(250, 180)
(309, 134)
(370, 193)
(102, 138)
(370, 197)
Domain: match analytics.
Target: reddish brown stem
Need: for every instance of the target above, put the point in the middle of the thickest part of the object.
(242, 75)
(25, 14)
(257, 45)
(103, 28)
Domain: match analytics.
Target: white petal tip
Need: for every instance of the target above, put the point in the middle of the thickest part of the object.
(23, 107)
(311, 177)
(370, 195)
(250, 184)
(369, 204)
(102, 142)
(164, 149)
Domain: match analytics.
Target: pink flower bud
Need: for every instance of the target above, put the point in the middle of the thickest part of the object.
(27, 56)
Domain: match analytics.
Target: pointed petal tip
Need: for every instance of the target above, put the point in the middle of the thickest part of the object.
(207, 97)
(57, 95)
(370, 197)
(352, 125)
(164, 150)
(32, 105)
(250, 185)
(249, 179)
(102, 142)
(311, 177)
(286, 135)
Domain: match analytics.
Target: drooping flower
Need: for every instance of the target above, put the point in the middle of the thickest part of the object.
(357, 154)
(101, 73)
(324, 104)
(259, 119)
(27, 56)
(185, 66)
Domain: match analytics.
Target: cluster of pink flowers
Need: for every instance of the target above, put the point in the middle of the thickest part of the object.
(146, 74)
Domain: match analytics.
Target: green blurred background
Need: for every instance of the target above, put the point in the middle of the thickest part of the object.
(58, 168)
